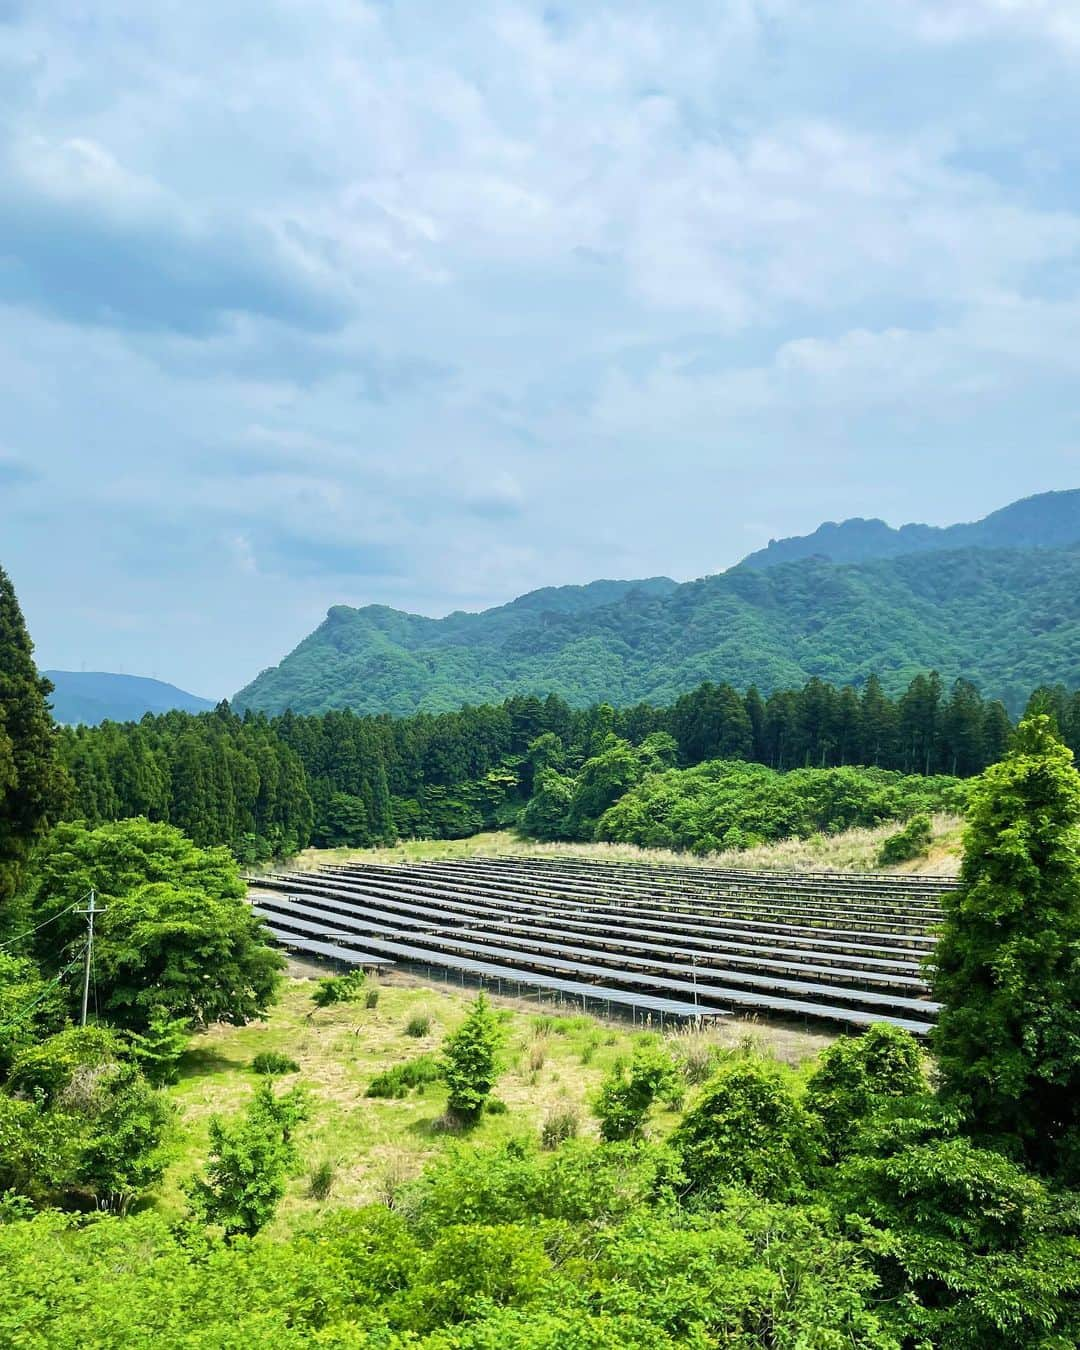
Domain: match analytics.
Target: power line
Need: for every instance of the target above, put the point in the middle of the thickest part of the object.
(43, 995)
(11, 942)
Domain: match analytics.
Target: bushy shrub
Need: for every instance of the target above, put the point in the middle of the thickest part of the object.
(747, 1130)
(912, 841)
(347, 988)
(397, 1081)
(418, 1026)
(857, 1075)
(495, 1106)
(628, 1093)
(371, 998)
(273, 1062)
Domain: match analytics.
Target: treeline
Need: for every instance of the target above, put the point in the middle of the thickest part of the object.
(268, 787)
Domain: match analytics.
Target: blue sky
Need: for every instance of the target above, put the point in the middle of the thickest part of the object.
(308, 302)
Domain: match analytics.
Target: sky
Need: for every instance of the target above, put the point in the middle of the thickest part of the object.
(308, 302)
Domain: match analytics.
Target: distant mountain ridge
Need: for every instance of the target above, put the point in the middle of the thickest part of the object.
(997, 602)
(1049, 520)
(90, 697)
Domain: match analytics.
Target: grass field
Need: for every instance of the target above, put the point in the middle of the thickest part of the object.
(849, 851)
(552, 1061)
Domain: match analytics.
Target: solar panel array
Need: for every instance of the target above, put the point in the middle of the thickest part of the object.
(658, 941)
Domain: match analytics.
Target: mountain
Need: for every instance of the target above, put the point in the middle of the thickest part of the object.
(91, 697)
(1049, 520)
(1009, 619)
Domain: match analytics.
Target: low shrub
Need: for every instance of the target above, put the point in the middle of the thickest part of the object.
(561, 1124)
(371, 998)
(397, 1082)
(538, 1054)
(418, 1026)
(272, 1062)
(346, 988)
(495, 1106)
(321, 1179)
(912, 841)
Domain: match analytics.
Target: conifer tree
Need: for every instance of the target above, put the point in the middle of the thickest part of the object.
(31, 781)
(1007, 965)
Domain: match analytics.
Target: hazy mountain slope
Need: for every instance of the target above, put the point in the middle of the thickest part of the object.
(91, 697)
(1007, 619)
(1049, 520)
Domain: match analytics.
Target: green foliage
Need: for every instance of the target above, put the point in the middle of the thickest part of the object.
(629, 1092)
(272, 1063)
(347, 988)
(176, 939)
(159, 1049)
(1007, 964)
(397, 1081)
(30, 1007)
(913, 841)
(245, 1174)
(724, 804)
(747, 1130)
(33, 786)
(857, 1076)
(470, 1061)
(971, 1251)
(78, 1125)
(418, 1026)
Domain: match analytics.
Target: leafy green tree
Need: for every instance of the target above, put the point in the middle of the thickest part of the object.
(245, 1174)
(857, 1075)
(30, 1007)
(1007, 964)
(86, 1125)
(159, 1049)
(470, 1061)
(176, 938)
(33, 786)
(970, 1250)
(912, 841)
(628, 1093)
(747, 1130)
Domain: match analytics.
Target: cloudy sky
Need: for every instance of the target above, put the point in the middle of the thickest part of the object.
(309, 302)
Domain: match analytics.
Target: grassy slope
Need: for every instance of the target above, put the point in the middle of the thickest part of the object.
(853, 850)
(377, 1144)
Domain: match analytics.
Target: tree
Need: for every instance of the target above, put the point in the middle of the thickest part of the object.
(32, 784)
(747, 1130)
(857, 1075)
(245, 1174)
(470, 1061)
(176, 938)
(628, 1093)
(1007, 964)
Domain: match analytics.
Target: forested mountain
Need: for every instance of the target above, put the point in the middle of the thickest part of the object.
(90, 697)
(1006, 619)
(1049, 520)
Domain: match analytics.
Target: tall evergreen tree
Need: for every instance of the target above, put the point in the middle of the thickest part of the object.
(32, 784)
(1007, 965)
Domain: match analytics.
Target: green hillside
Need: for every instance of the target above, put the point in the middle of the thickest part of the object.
(1008, 619)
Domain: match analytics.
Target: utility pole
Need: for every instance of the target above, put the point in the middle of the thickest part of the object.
(89, 911)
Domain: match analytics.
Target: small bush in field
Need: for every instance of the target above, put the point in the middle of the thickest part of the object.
(339, 989)
(321, 1180)
(396, 1082)
(495, 1106)
(561, 1124)
(912, 841)
(418, 1026)
(698, 1060)
(371, 998)
(543, 1025)
(538, 1053)
(273, 1062)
